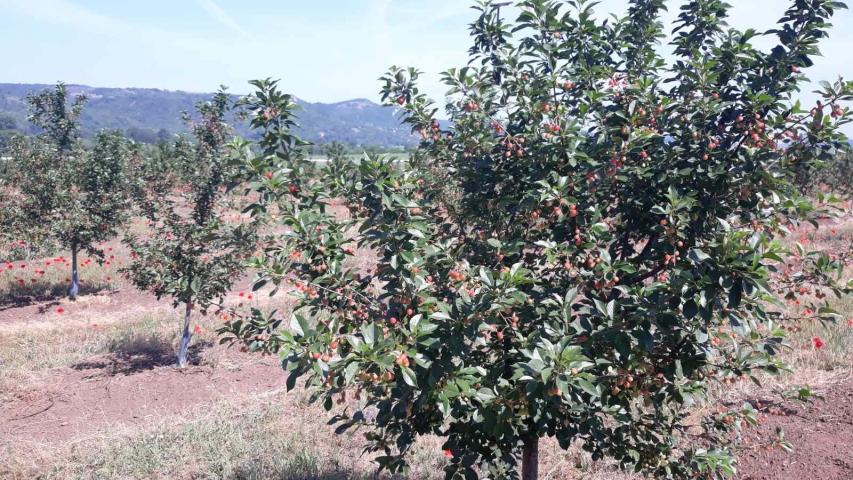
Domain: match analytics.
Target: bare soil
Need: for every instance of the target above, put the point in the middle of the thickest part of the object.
(138, 386)
(86, 398)
(821, 434)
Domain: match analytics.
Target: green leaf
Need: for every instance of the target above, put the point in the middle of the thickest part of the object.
(587, 386)
(409, 376)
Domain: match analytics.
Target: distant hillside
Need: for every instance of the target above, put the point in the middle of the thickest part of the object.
(147, 114)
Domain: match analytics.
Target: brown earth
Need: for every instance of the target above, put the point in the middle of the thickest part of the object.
(101, 393)
(113, 391)
(821, 434)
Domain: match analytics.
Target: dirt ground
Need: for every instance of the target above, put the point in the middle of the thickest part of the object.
(821, 435)
(73, 373)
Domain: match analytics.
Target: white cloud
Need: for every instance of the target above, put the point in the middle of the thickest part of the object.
(220, 15)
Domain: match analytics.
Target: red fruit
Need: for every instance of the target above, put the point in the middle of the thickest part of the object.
(269, 175)
(293, 189)
(197, 329)
(818, 343)
(403, 360)
(60, 310)
(392, 320)
(401, 100)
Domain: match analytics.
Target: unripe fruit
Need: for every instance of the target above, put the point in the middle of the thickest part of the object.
(403, 360)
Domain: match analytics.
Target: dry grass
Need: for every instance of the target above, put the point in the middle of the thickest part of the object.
(260, 440)
(281, 436)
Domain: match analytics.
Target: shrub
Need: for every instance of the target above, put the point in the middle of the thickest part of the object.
(578, 256)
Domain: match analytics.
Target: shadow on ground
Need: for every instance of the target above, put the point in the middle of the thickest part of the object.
(138, 353)
(17, 296)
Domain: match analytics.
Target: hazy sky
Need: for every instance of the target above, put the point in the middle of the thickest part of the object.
(323, 50)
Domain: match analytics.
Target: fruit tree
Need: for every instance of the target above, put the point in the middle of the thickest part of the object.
(578, 254)
(63, 190)
(192, 254)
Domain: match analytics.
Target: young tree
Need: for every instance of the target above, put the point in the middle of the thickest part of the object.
(191, 254)
(578, 256)
(64, 191)
(8, 128)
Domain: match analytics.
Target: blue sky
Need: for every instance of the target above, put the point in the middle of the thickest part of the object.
(323, 50)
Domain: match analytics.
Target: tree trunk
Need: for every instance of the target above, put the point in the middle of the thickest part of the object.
(75, 277)
(530, 458)
(185, 339)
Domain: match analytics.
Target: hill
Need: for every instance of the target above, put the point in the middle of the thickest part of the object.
(148, 114)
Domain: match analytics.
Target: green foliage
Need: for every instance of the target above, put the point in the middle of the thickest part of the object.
(8, 125)
(192, 254)
(62, 191)
(584, 251)
(831, 176)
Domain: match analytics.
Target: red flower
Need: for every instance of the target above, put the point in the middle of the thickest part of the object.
(60, 310)
(197, 330)
(818, 342)
(269, 175)
(448, 453)
(241, 294)
(850, 322)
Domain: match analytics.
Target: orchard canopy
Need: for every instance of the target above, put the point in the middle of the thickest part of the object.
(580, 252)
